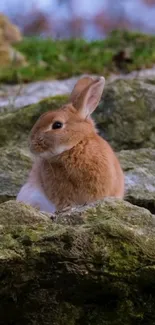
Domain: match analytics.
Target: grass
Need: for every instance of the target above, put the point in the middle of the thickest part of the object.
(60, 59)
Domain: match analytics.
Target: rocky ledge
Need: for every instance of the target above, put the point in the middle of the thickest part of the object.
(93, 265)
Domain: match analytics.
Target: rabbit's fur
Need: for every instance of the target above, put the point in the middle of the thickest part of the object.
(73, 164)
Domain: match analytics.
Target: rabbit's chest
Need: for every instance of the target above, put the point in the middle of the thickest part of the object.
(60, 189)
(63, 189)
(31, 194)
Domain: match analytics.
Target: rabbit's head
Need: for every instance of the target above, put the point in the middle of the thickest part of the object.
(58, 131)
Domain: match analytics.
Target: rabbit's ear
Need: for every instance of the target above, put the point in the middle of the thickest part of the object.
(89, 98)
(79, 87)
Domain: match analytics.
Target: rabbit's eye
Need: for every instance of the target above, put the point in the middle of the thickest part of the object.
(57, 125)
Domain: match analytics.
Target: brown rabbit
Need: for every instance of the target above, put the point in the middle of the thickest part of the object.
(73, 164)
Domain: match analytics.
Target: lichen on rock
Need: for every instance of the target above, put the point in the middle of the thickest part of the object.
(126, 114)
(15, 164)
(15, 126)
(98, 271)
(139, 169)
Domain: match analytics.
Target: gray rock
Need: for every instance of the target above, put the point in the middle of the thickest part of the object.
(14, 166)
(126, 115)
(139, 168)
(15, 126)
(98, 270)
(18, 96)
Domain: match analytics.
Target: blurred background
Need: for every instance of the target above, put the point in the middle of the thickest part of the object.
(89, 19)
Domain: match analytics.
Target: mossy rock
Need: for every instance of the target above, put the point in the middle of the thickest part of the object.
(15, 164)
(139, 169)
(126, 115)
(15, 126)
(93, 265)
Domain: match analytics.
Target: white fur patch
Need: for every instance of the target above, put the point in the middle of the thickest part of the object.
(55, 152)
(32, 195)
(62, 148)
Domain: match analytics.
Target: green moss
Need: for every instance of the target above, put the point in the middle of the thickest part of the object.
(15, 164)
(63, 58)
(99, 272)
(125, 116)
(15, 126)
(67, 314)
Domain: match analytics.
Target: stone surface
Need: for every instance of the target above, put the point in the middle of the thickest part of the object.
(139, 169)
(15, 97)
(99, 270)
(15, 126)
(13, 214)
(126, 116)
(14, 166)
